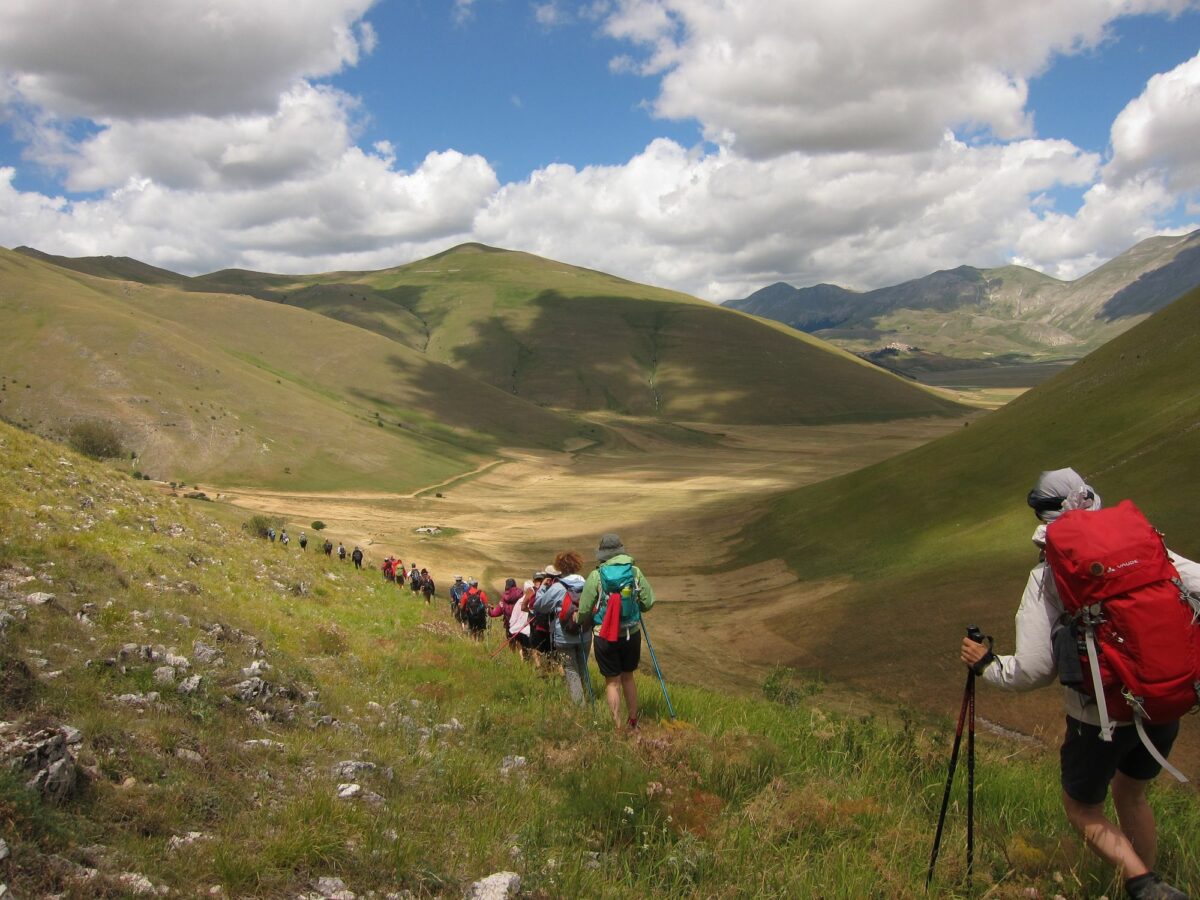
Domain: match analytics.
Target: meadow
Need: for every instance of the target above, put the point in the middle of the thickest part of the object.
(465, 764)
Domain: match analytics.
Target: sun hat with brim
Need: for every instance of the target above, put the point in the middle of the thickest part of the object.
(610, 546)
(552, 572)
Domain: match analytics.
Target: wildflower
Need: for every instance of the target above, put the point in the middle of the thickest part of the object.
(629, 811)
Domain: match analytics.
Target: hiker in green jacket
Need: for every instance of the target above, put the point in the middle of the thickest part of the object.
(615, 595)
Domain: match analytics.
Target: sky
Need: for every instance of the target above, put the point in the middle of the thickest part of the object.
(709, 146)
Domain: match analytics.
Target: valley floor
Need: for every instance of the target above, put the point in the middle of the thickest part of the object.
(677, 509)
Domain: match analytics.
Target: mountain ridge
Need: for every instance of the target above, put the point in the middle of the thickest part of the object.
(972, 313)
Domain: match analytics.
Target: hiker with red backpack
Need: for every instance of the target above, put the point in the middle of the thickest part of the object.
(475, 610)
(614, 596)
(1111, 612)
(559, 600)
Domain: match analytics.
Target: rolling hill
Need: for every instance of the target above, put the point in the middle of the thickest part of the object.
(973, 313)
(226, 388)
(907, 552)
(552, 335)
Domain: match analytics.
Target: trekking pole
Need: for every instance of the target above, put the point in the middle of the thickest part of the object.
(503, 646)
(581, 660)
(968, 706)
(657, 671)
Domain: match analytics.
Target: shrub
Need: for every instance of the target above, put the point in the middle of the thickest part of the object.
(318, 525)
(96, 438)
(259, 525)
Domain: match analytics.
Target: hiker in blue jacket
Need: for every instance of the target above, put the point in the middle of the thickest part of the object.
(564, 584)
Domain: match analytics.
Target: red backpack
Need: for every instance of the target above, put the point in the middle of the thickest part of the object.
(1134, 618)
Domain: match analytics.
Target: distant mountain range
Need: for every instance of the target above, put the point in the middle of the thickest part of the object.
(972, 313)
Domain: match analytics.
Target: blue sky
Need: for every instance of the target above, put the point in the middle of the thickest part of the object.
(711, 146)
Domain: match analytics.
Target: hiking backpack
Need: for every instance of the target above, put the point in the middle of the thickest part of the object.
(475, 610)
(566, 613)
(618, 584)
(1133, 621)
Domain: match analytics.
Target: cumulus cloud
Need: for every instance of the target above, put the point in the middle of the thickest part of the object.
(84, 58)
(773, 77)
(861, 161)
(1158, 130)
(721, 225)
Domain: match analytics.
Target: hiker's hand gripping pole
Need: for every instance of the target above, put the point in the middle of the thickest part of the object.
(975, 636)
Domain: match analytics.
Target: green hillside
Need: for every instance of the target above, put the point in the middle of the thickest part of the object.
(220, 716)
(226, 388)
(574, 338)
(938, 537)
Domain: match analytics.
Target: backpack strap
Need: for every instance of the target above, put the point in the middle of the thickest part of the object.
(1153, 751)
(1106, 726)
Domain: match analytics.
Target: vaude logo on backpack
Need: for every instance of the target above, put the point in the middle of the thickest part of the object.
(1135, 623)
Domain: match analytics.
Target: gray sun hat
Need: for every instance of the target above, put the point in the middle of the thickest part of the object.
(610, 546)
(1059, 490)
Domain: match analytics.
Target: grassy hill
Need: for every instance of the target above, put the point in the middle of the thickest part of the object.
(239, 719)
(936, 538)
(569, 338)
(226, 388)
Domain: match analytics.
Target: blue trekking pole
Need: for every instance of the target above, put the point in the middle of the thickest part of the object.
(657, 670)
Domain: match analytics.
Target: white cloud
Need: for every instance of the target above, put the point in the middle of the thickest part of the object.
(85, 58)
(771, 77)
(463, 11)
(549, 14)
(1159, 130)
(831, 159)
(720, 225)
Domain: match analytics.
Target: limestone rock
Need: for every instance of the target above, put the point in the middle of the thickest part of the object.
(349, 769)
(499, 886)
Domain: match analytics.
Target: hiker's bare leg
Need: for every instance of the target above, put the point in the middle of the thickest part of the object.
(1104, 838)
(1136, 816)
(612, 693)
(629, 686)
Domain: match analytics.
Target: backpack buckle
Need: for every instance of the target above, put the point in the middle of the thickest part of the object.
(1135, 703)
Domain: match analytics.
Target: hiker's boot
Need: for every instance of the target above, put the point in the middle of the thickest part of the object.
(1151, 887)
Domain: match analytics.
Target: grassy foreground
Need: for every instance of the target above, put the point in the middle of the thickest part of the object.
(743, 797)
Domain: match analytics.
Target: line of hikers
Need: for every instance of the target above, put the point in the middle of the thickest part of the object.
(356, 556)
(419, 580)
(559, 615)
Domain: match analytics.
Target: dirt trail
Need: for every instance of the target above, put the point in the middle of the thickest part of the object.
(677, 509)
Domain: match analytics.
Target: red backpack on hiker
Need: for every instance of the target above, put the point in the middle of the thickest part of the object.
(1135, 622)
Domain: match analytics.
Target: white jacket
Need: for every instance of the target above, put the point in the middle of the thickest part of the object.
(1033, 665)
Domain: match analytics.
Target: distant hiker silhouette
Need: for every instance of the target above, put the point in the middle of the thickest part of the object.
(357, 556)
(341, 551)
(303, 541)
(328, 547)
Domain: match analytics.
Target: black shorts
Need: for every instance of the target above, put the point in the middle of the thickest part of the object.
(539, 641)
(1089, 764)
(619, 656)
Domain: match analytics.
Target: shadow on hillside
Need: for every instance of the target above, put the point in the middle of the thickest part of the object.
(678, 361)
(1154, 290)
